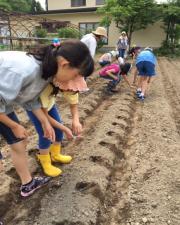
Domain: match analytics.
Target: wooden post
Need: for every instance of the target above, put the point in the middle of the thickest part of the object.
(9, 26)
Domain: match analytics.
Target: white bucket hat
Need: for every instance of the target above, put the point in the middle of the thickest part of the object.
(123, 32)
(101, 31)
(114, 53)
(149, 49)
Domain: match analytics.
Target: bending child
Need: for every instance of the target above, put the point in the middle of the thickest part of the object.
(106, 58)
(113, 73)
(145, 63)
(23, 78)
(51, 152)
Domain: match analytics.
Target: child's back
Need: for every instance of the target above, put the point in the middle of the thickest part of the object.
(114, 68)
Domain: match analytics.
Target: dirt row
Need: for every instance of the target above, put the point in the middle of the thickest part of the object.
(125, 171)
(92, 103)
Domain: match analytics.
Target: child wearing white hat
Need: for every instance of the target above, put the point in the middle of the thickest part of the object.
(106, 58)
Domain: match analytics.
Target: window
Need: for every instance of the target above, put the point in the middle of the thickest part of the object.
(86, 28)
(76, 3)
(100, 2)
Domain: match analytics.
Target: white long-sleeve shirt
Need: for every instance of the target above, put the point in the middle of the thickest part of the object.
(90, 41)
(20, 81)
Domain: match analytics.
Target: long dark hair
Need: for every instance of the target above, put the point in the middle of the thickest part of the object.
(73, 51)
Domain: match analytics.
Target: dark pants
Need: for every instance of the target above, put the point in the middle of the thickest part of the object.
(104, 63)
(122, 53)
(7, 133)
(113, 83)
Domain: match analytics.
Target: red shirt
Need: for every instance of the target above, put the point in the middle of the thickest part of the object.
(115, 69)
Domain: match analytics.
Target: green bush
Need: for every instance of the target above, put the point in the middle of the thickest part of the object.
(168, 49)
(68, 32)
(41, 32)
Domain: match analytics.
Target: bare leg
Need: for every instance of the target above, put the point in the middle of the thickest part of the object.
(144, 85)
(140, 80)
(19, 157)
(135, 76)
(46, 151)
(149, 83)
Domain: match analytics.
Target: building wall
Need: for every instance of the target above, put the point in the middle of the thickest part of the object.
(66, 4)
(152, 36)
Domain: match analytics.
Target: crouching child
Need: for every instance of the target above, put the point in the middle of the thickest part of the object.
(113, 73)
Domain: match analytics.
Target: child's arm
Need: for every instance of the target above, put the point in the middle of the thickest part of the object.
(18, 130)
(58, 125)
(127, 80)
(76, 125)
(110, 73)
(135, 75)
(73, 99)
(47, 128)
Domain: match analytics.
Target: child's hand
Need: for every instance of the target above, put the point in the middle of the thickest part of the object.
(77, 128)
(19, 131)
(116, 78)
(49, 131)
(68, 133)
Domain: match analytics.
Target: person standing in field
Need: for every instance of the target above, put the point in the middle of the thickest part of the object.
(91, 40)
(122, 44)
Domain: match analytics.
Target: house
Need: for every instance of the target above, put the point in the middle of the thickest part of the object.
(82, 13)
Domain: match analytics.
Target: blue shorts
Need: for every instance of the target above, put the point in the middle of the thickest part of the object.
(45, 143)
(146, 68)
(7, 133)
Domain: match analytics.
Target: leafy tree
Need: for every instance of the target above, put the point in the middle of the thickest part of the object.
(35, 6)
(171, 17)
(5, 5)
(130, 15)
(19, 5)
(27, 6)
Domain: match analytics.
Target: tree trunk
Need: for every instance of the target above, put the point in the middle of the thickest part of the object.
(167, 31)
(130, 33)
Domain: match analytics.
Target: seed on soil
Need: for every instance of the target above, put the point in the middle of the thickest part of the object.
(145, 220)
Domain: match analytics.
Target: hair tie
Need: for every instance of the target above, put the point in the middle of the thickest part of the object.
(56, 42)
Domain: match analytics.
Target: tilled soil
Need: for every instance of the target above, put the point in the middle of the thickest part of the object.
(125, 171)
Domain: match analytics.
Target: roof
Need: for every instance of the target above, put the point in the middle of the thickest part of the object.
(72, 10)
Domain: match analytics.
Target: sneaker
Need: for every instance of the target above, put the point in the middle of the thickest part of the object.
(36, 183)
(141, 97)
(138, 93)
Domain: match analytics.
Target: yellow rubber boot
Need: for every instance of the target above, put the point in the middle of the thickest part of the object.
(56, 155)
(48, 168)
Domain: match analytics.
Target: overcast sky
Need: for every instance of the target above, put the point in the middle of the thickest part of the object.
(43, 2)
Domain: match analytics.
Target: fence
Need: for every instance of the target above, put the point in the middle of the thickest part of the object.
(17, 30)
